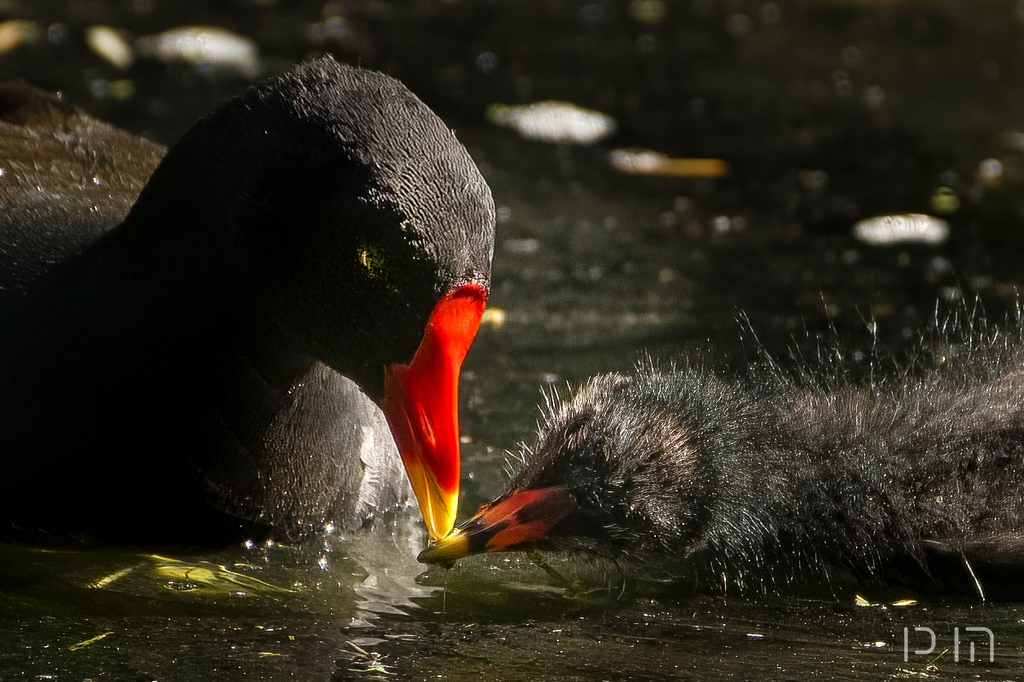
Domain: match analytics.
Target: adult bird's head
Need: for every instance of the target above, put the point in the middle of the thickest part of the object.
(362, 233)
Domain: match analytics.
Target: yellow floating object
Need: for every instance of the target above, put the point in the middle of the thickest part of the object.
(91, 640)
(106, 580)
(211, 575)
(110, 44)
(649, 162)
(905, 602)
(15, 32)
(901, 603)
(493, 317)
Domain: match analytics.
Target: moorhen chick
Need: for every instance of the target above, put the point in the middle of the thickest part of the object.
(770, 477)
(194, 346)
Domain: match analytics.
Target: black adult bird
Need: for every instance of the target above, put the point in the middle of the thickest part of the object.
(183, 370)
(916, 479)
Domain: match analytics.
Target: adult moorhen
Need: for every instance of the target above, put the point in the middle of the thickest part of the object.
(762, 479)
(200, 361)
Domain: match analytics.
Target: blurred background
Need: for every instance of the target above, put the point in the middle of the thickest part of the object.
(830, 172)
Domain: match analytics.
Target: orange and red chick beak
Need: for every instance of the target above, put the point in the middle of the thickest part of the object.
(421, 403)
(514, 522)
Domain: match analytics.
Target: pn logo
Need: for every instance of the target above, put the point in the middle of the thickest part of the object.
(957, 643)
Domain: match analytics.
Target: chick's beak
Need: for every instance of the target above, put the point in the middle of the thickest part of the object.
(514, 522)
(421, 403)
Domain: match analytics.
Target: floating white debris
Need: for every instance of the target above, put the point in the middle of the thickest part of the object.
(110, 44)
(649, 162)
(553, 121)
(902, 229)
(202, 46)
(527, 245)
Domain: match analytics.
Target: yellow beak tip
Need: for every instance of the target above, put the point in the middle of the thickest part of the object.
(440, 517)
(438, 507)
(446, 551)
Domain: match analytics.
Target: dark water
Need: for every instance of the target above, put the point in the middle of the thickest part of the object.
(828, 112)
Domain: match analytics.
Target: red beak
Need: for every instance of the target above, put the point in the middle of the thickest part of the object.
(421, 403)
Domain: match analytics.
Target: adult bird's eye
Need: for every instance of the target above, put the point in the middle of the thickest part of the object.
(374, 263)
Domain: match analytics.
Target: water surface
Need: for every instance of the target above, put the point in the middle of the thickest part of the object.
(828, 112)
